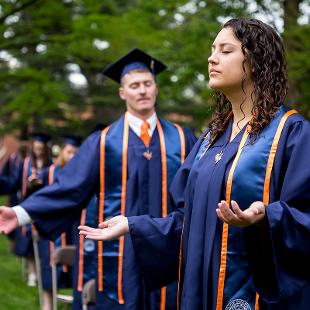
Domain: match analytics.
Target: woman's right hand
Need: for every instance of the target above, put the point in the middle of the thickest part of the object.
(108, 230)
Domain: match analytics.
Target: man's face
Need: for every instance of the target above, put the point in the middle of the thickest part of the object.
(139, 90)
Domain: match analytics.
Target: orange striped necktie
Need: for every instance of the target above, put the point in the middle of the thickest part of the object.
(144, 135)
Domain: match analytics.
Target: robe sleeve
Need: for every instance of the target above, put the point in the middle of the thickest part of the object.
(278, 248)
(55, 207)
(157, 240)
(157, 243)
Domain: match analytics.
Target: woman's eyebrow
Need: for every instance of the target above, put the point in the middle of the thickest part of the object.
(224, 44)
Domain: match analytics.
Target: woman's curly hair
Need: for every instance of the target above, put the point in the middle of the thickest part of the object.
(264, 52)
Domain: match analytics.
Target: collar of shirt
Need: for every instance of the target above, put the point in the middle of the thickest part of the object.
(136, 122)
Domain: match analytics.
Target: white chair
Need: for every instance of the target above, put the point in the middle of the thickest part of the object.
(35, 242)
(89, 294)
(62, 256)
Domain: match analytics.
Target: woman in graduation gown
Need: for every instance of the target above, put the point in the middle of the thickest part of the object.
(240, 236)
(30, 182)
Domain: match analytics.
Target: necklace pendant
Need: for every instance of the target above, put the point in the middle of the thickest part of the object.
(147, 155)
(218, 156)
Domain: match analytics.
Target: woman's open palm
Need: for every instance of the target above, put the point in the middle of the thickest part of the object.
(108, 230)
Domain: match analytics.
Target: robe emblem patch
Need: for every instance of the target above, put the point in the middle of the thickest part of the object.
(238, 304)
(89, 245)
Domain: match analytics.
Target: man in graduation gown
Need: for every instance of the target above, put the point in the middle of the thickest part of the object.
(130, 165)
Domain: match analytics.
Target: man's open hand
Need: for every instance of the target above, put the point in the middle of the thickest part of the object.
(8, 220)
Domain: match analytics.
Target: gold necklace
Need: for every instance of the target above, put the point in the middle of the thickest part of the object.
(234, 133)
(236, 129)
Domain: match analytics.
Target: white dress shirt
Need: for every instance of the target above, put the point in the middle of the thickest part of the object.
(135, 123)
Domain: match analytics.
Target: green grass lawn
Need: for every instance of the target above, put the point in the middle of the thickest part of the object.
(14, 292)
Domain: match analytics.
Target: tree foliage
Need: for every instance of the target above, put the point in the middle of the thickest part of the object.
(46, 43)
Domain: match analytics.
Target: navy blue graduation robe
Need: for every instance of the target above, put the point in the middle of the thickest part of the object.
(79, 181)
(277, 250)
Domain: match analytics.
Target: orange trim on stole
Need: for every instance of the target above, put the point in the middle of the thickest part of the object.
(164, 195)
(123, 209)
(51, 174)
(164, 190)
(222, 272)
(256, 306)
(182, 141)
(273, 154)
(51, 181)
(163, 294)
(81, 254)
(101, 205)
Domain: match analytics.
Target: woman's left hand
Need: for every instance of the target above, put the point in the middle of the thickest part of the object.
(236, 217)
(109, 230)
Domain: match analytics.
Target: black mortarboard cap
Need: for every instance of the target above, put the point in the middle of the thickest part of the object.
(72, 140)
(41, 137)
(135, 59)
